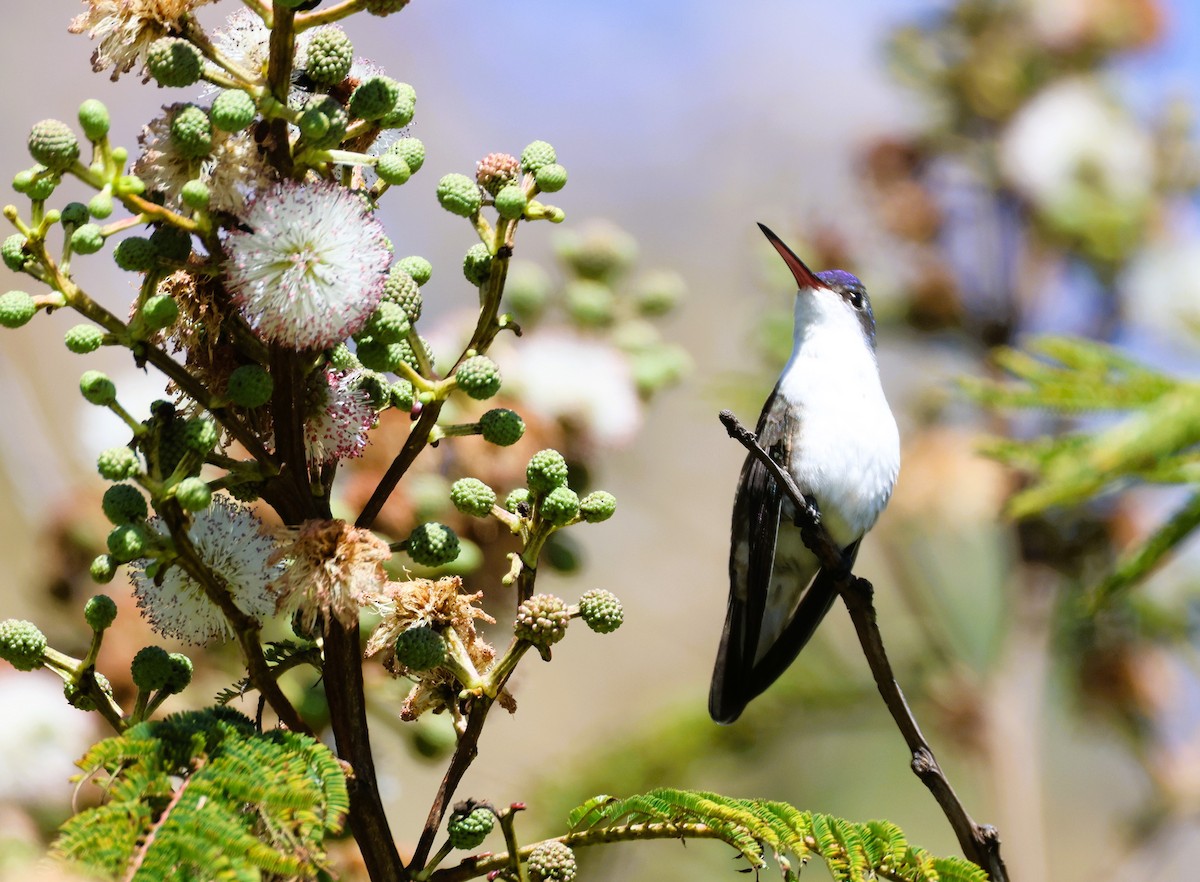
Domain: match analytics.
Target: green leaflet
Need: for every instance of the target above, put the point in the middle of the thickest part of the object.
(249, 804)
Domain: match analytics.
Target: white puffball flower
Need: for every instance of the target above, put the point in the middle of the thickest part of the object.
(311, 268)
(1161, 287)
(337, 427)
(1071, 137)
(39, 739)
(231, 542)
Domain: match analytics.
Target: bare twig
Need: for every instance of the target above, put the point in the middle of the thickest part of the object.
(980, 842)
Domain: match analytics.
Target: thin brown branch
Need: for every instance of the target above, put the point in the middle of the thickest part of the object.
(980, 842)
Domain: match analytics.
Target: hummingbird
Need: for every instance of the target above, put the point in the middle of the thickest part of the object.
(828, 424)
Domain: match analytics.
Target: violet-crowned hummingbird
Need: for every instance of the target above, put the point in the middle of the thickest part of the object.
(828, 424)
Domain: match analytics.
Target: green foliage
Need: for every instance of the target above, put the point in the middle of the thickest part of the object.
(280, 656)
(851, 851)
(249, 803)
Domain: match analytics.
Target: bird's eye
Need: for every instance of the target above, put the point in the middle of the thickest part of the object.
(856, 299)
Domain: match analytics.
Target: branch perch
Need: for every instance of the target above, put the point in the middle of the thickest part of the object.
(980, 843)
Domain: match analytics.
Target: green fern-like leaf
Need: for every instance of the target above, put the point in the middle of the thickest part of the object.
(204, 796)
(280, 655)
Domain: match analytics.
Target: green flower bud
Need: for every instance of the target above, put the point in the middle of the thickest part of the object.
(200, 435)
(402, 289)
(74, 214)
(341, 358)
(13, 252)
(180, 675)
(560, 506)
(496, 171)
(93, 119)
(403, 395)
(100, 206)
(542, 620)
(537, 155)
(78, 698)
(130, 185)
(41, 184)
(516, 498)
(327, 128)
(384, 7)
(160, 311)
(379, 356)
(418, 268)
(376, 386)
(171, 243)
(16, 309)
(546, 470)
(413, 152)
(135, 254)
(420, 649)
(313, 125)
(195, 194)
(87, 239)
(552, 861)
(597, 506)
(174, 62)
(601, 611)
(477, 264)
(232, 110)
(511, 202)
(103, 568)
(501, 427)
(402, 112)
(551, 178)
(191, 132)
(250, 386)
(526, 289)
(117, 463)
(53, 144)
(388, 323)
(657, 293)
(660, 367)
(433, 545)
(472, 497)
(392, 169)
(459, 195)
(469, 825)
(193, 494)
(22, 644)
(126, 542)
(374, 97)
(151, 668)
(97, 388)
(591, 303)
(479, 377)
(99, 612)
(330, 56)
(124, 504)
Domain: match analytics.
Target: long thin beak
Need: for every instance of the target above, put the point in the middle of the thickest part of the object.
(805, 278)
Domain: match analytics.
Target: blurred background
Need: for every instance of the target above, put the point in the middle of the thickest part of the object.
(990, 169)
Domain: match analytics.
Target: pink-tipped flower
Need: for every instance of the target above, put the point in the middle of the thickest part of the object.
(337, 425)
(311, 269)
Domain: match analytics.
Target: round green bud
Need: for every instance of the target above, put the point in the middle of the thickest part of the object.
(191, 132)
(135, 254)
(78, 698)
(342, 359)
(551, 861)
(469, 825)
(313, 124)
(392, 169)
(379, 356)
(403, 395)
(537, 155)
(374, 97)
(160, 311)
(250, 386)
(542, 620)
(377, 387)
(477, 264)
(41, 184)
(601, 611)
(16, 308)
(53, 144)
(180, 675)
(117, 463)
(546, 470)
(74, 214)
(171, 243)
(100, 206)
(459, 195)
(511, 202)
(413, 151)
(323, 122)
(597, 506)
(550, 178)
(87, 239)
(526, 289)
(402, 111)
(590, 303)
(130, 185)
(388, 323)
(403, 289)
(409, 357)
(124, 504)
(502, 427)
(657, 293)
(384, 7)
(151, 668)
(174, 62)
(99, 612)
(330, 56)
(13, 252)
(193, 494)
(560, 506)
(420, 649)
(479, 377)
(126, 542)
(472, 497)
(232, 110)
(195, 194)
(200, 435)
(97, 388)
(433, 545)
(103, 568)
(660, 367)
(516, 498)
(93, 119)
(418, 268)
(22, 644)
